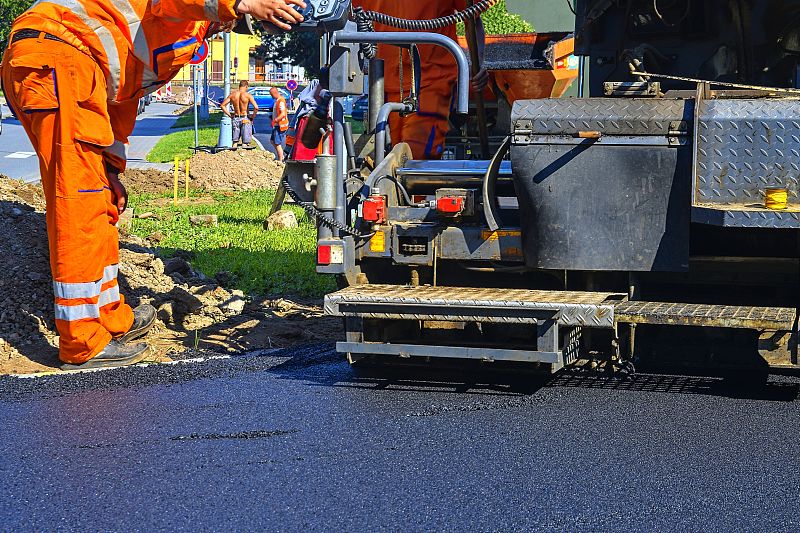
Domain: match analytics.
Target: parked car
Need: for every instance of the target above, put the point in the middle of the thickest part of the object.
(360, 108)
(140, 108)
(264, 100)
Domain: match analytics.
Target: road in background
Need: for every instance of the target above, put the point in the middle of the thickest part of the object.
(19, 161)
(296, 440)
(17, 158)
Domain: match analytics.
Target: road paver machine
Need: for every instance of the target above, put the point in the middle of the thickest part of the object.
(656, 215)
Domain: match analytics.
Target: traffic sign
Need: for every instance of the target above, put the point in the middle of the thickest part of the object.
(291, 85)
(200, 54)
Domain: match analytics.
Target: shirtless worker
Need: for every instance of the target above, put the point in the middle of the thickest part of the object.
(241, 101)
(73, 72)
(424, 131)
(280, 122)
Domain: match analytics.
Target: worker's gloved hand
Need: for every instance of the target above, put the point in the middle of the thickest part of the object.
(480, 80)
(281, 13)
(118, 191)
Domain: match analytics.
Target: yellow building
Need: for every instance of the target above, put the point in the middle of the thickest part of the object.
(245, 65)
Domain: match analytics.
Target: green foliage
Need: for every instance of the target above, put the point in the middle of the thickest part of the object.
(300, 48)
(280, 262)
(9, 10)
(498, 21)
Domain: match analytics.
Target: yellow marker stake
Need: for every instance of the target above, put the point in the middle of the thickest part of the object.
(187, 179)
(175, 189)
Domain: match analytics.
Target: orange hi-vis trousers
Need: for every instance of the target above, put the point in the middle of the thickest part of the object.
(426, 130)
(59, 94)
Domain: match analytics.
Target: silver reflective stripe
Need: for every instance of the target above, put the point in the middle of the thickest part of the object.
(117, 149)
(141, 48)
(77, 312)
(106, 39)
(90, 289)
(109, 296)
(211, 9)
(150, 81)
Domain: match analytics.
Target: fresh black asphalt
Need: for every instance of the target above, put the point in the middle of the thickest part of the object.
(297, 440)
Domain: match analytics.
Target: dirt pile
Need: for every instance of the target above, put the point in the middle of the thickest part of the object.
(231, 170)
(236, 170)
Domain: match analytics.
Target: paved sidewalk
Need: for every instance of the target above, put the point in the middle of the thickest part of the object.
(151, 125)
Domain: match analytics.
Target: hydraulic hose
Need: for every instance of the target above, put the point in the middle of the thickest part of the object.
(426, 25)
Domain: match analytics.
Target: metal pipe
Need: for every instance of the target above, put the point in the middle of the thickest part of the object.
(405, 38)
(326, 196)
(226, 125)
(377, 92)
(339, 148)
(581, 76)
(351, 146)
(380, 129)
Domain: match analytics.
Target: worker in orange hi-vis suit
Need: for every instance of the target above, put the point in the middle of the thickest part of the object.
(424, 131)
(73, 72)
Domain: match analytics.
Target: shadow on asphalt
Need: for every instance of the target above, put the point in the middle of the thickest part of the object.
(329, 370)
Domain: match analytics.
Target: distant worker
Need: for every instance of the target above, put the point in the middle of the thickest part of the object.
(241, 101)
(424, 131)
(280, 122)
(73, 73)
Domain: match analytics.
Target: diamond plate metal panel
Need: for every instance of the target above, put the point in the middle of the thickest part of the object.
(745, 147)
(610, 116)
(473, 304)
(745, 218)
(725, 316)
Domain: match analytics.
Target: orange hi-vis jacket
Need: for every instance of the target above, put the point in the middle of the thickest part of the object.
(139, 45)
(281, 114)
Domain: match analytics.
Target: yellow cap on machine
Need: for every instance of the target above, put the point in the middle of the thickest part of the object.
(777, 199)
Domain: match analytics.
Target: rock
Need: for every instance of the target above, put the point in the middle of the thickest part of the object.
(177, 265)
(156, 237)
(148, 214)
(283, 219)
(166, 313)
(36, 276)
(184, 301)
(125, 220)
(204, 220)
(158, 266)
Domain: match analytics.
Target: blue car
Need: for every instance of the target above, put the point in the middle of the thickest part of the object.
(360, 108)
(264, 100)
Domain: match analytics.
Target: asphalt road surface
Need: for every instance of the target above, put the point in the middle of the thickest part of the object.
(297, 440)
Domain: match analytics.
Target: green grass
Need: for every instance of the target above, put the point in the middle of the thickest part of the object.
(180, 144)
(278, 262)
(186, 119)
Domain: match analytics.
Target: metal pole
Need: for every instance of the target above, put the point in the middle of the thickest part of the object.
(226, 126)
(581, 76)
(196, 88)
(383, 123)
(377, 92)
(340, 214)
(483, 127)
(204, 112)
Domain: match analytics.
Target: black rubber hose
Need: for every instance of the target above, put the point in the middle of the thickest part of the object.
(426, 25)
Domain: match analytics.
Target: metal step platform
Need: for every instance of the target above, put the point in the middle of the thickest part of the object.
(547, 310)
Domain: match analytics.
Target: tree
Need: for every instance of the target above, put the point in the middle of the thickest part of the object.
(299, 48)
(9, 10)
(498, 21)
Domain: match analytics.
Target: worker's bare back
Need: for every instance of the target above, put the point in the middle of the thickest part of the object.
(241, 100)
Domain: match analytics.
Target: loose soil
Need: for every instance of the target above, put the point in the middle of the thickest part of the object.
(231, 170)
(193, 311)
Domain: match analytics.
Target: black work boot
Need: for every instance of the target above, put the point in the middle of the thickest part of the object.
(144, 317)
(114, 354)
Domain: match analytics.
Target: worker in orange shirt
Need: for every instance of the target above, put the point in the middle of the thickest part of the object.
(424, 131)
(280, 122)
(73, 72)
